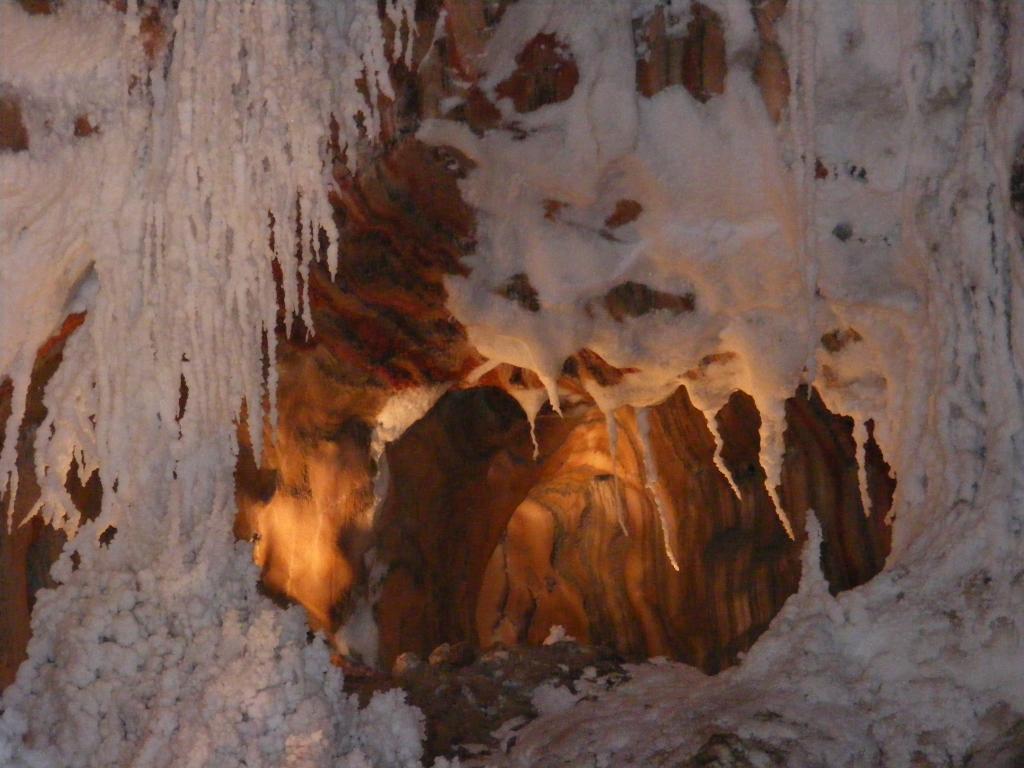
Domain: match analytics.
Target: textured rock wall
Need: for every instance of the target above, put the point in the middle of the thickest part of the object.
(464, 484)
(477, 540)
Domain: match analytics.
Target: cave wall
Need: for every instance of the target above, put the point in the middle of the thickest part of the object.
(381, 326)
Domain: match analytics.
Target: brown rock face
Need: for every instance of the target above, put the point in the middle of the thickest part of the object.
(518, 289)
(546, 74)
(626, 211)
(381, 325)
(704, 54)
(382, 321)
(1017, 183)
(457, 477)
(13, 135)
(38, 7)
(695, 60)
(576, 538)
(304, 508)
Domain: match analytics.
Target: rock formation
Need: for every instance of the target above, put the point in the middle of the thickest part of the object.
(500, 344)
(476, 539)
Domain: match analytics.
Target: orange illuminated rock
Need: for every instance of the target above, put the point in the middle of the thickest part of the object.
(305, 509)
(575, 537)
(457, 476)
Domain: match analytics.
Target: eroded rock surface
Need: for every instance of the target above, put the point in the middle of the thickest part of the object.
(474, 705)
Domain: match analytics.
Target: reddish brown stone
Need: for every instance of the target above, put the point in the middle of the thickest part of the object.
(626, 212)
(820, 472)
(653, 69)
(457, 477)
(518, 289)
(631, 299)
(304, 508)
(552, 209)
(561, 558)
(546, 74)
(479, 113)
(38, 7)
(83, 127)
(382, 320)
(771, 72)
(598, 369)
(695, 60)
(703, 65)
(13, 134)
(153, 33)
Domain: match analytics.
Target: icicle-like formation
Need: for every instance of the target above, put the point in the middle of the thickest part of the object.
(531, 401)
(812, 579)
(8, 457)
(772, 450)
(710, 417)
(49, 220)
(67, 434)
(709, 397)
(402, 14)
(551, 387)
(653, 484)
(234, 138)
(860, 441)
(237, 143)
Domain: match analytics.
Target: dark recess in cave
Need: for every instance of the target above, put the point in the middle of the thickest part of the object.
(484, 545)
